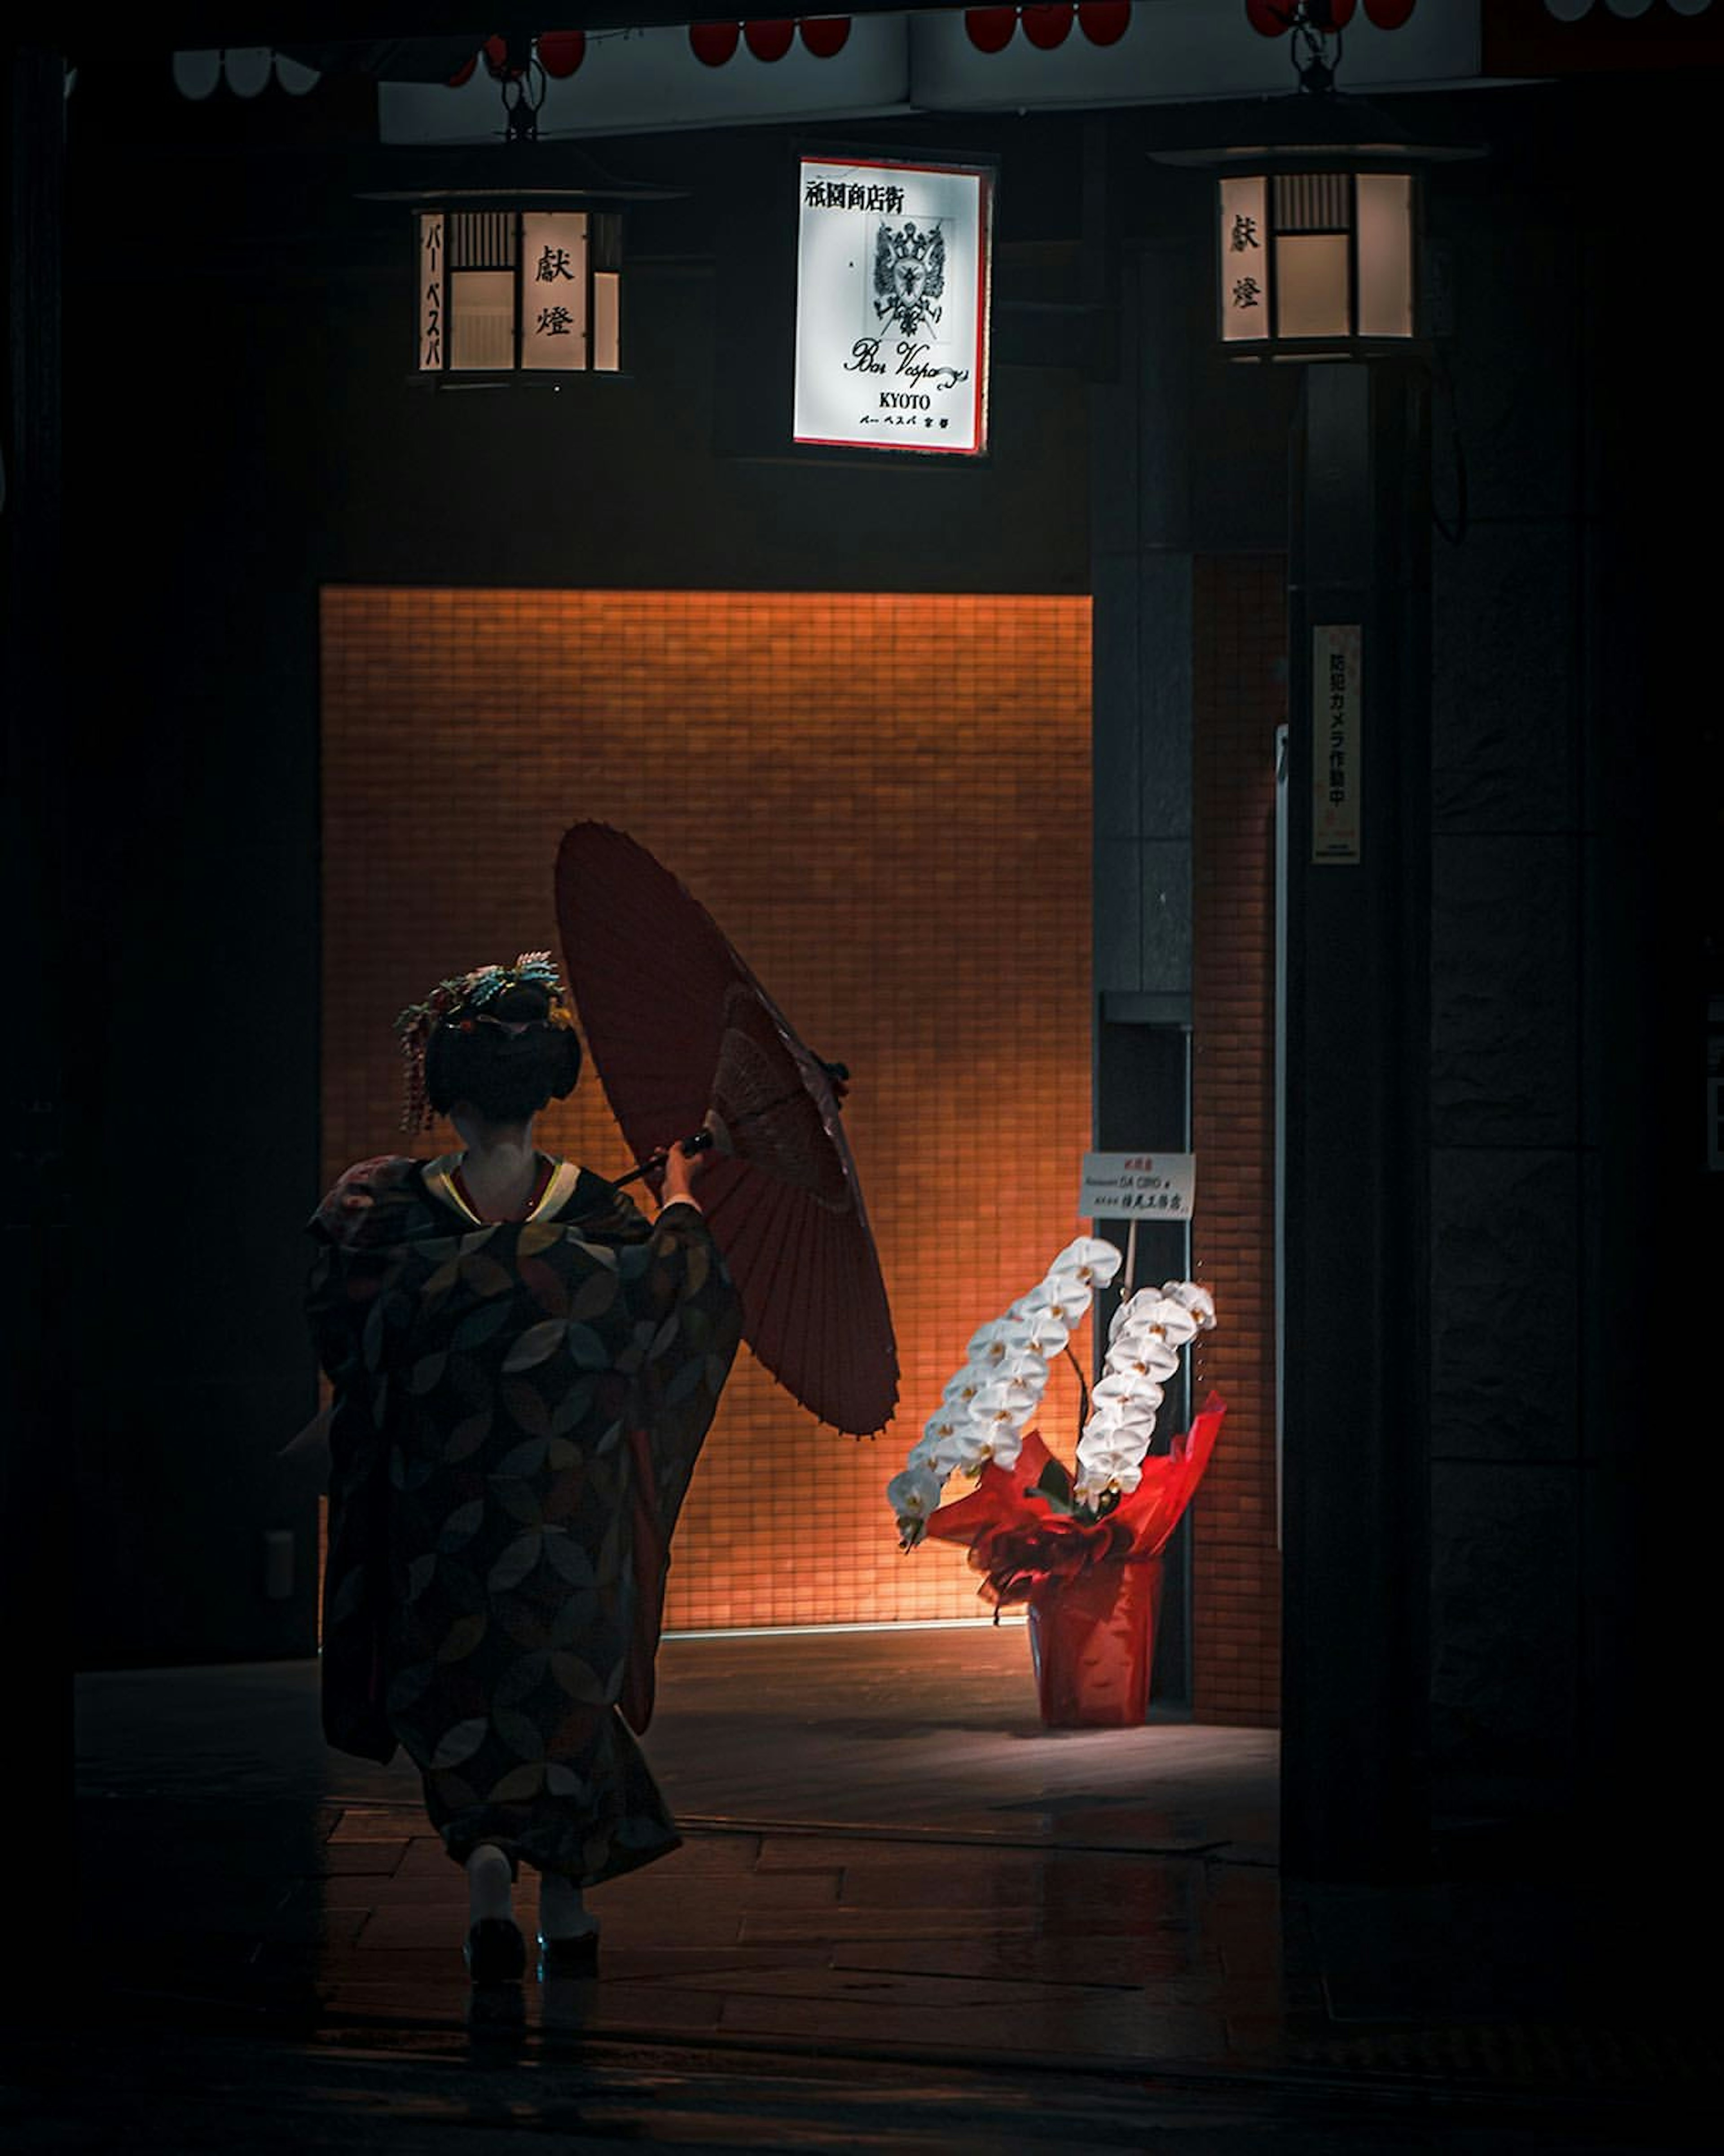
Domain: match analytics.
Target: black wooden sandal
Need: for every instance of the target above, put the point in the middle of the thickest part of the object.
(576, 1956)
(496, 1953)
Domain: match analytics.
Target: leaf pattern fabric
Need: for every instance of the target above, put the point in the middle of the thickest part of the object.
(518, 1411)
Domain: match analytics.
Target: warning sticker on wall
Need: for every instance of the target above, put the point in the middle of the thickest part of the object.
(1336, 797)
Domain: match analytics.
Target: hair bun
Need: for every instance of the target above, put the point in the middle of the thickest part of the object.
(524, 1003)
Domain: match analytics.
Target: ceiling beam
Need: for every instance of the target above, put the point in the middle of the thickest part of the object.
(198, 25)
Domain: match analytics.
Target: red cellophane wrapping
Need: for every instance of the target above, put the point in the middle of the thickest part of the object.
(1093, 1586)
(1092, 1640)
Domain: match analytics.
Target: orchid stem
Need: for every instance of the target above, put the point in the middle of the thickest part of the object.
(1083, 1388)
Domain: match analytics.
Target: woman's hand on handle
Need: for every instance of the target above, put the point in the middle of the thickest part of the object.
(682, 1172)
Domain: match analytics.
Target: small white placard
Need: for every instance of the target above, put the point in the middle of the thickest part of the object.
(891, 307)
(1336, 800)
(1138, 1186)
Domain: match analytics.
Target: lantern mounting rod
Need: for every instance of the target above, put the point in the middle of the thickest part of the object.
(1316, 33)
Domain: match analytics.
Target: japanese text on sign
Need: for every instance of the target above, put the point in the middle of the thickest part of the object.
(1137, 1186)
(1336, 824)
(891, 306)
(431, 308)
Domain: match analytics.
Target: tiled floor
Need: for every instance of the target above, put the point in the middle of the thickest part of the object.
(889, 1865)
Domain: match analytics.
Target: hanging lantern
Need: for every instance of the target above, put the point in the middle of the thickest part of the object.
(1315, 259)
(513, 288)
(1316, 215)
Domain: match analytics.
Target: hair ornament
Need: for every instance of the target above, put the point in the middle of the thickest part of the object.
(459, 1000)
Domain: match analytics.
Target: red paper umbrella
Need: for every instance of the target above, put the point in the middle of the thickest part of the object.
(680, 1029)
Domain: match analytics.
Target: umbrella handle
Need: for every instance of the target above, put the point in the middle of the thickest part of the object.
(700, 1141)
(838, 1076)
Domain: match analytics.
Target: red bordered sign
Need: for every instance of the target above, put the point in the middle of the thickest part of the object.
(893, 267)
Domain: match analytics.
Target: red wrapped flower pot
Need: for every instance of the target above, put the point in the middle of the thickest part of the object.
(1092, 1641)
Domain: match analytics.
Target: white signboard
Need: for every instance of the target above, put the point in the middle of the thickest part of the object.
(1335, 796)
(891, 307)
(1138, 1186)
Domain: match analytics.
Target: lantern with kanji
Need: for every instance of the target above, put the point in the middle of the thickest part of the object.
(516, 288)
(1315, 208)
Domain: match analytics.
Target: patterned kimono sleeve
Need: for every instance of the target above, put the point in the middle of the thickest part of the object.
(688, 1292)
(690, 1317)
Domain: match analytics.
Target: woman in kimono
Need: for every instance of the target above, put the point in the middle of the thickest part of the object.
(524, 1369)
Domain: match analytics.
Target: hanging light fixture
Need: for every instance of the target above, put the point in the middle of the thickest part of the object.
(1317, 220)
(516, 286)
(519, 283)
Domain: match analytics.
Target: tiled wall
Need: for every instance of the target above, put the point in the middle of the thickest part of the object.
(884, 801)
(1238, 696)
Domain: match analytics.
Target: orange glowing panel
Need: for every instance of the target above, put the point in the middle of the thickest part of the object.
(911, 875)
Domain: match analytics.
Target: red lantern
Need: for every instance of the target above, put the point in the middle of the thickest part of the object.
(497, 62)
(990, 28)
(825, 36)
(713, 43)
(560, 52)
(1103, 21)
(770, 37)
(1045, 27)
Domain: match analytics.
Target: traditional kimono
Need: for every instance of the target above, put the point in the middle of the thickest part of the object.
(518, 1409)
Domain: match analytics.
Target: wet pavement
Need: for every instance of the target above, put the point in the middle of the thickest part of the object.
(904, 1917)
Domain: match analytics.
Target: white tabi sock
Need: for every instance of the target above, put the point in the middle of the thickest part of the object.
(488, 1883)
(562, 1913)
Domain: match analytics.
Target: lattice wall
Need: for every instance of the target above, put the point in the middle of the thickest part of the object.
(885, 802)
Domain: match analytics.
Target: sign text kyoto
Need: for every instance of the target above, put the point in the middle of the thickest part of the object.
(891, 307)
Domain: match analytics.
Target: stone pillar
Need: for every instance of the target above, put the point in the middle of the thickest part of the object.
(1142, 694)
(1354, 1800)
(39, 1427)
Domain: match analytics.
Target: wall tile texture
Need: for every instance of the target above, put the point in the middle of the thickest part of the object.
(1238, 698)
(884, 801)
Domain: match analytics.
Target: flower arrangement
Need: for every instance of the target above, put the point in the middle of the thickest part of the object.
(985, 1407)
(1081, 1545)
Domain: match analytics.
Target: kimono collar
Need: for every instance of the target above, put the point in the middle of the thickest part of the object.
(441, 1181)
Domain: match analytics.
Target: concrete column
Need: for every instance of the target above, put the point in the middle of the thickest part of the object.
(1354, 1757)
(1142, 556)
(39, 1427)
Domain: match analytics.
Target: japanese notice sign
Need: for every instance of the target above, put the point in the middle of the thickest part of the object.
(433, 274)
(1137, 1186)
(891, 307)
(553, 307)
(1336, 823)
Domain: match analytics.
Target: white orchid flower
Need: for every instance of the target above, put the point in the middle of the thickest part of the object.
(971, 1448)
(937, 1432)
(1165, 1315)
(1065, 1299)
(1143, 1355)
(1023, 1367)
(1130, 1397)
(962, 1388)
(1006, 1399)
(1196, 1300)
(1102, 1468)
(1089, 1261)
(1151, 1314)
(913, 1495)
(1048, 1333)
(990, 1343)
(1007, 1443)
